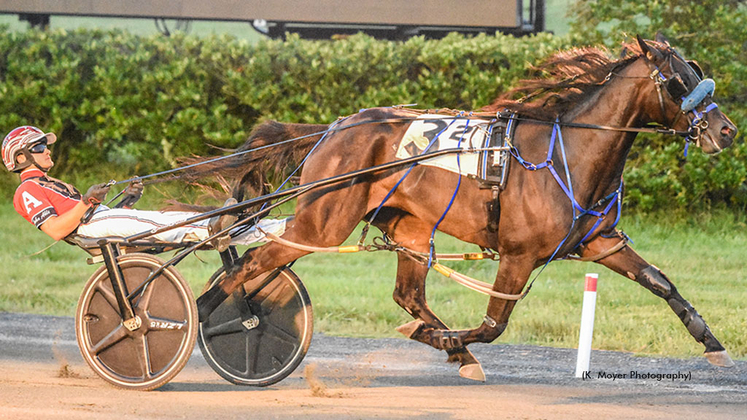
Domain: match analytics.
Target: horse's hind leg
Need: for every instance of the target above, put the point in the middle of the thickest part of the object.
(409, 293)
(303, 229)
(628, 263)
(324, 218)
(512, 276)
(254, 262)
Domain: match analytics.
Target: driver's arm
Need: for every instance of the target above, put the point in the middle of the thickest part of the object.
(62, 225)
(59, 227)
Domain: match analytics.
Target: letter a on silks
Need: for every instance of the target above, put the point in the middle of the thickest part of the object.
(587, 325)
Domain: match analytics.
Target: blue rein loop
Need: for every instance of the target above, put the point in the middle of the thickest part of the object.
(697, 119)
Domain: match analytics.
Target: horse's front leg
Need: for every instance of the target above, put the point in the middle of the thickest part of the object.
(628, 263)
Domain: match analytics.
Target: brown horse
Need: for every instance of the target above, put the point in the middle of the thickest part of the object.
(536, 223)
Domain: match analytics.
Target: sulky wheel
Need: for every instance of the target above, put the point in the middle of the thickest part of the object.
(152, 354)
(261, 332)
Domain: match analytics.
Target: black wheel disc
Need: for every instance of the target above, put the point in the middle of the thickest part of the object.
(260, 333)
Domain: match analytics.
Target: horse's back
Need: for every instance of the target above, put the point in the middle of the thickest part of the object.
(359, 141)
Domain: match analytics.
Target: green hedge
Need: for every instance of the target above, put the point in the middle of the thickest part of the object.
(130, 105)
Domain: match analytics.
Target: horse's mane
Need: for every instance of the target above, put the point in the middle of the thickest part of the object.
(566, 79)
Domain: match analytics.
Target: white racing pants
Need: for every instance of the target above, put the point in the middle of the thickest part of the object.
(127, 222)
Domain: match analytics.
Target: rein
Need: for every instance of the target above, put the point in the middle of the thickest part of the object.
(475, 115)
(650, 130)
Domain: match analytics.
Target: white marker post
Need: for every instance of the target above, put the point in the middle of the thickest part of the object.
(587, 324)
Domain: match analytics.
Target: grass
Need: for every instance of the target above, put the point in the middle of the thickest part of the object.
(704, 255)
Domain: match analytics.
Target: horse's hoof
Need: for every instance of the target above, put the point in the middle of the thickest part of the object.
(472, 371)
(720, 358)
(409, 329)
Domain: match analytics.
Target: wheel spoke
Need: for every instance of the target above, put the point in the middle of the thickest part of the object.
(108, 296)
(252, 354)
(280, 334)
(114, 337)
(145, 296)
(228, 327)
(144, 357)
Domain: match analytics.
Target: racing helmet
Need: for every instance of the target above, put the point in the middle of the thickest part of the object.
(19, 141)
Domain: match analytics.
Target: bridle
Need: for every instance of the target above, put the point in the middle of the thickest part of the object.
(689, 100)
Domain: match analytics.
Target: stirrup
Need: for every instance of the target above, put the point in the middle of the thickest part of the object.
(218, 223)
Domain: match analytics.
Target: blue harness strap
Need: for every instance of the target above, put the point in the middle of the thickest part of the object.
(567, 186)
(432, 248)
(425, 150)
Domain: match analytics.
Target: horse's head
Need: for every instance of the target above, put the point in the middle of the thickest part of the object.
(685, 99)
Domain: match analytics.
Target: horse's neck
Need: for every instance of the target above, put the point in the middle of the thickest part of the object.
(619, 102)
(599, 155)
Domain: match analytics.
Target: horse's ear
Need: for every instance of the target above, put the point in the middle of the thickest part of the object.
(652, 54)
(661, 38)
(695, 66)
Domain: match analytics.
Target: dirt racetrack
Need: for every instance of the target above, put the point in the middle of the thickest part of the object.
(43, 376)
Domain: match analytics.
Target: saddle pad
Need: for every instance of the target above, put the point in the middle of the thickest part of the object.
(441, 133)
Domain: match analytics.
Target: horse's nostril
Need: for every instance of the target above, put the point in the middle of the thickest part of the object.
(727, 132)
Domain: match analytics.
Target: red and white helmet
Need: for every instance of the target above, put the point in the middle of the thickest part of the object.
(18, 141)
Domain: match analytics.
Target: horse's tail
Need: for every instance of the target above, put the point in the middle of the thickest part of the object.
(300, 138)
(249, 166)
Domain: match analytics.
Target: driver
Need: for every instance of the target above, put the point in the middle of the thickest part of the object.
(58, 208)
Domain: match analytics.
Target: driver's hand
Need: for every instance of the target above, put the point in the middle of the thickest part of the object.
(135, 189)
(96, 194)
(132, 193)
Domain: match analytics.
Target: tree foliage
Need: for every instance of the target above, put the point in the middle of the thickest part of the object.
(711, 32)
